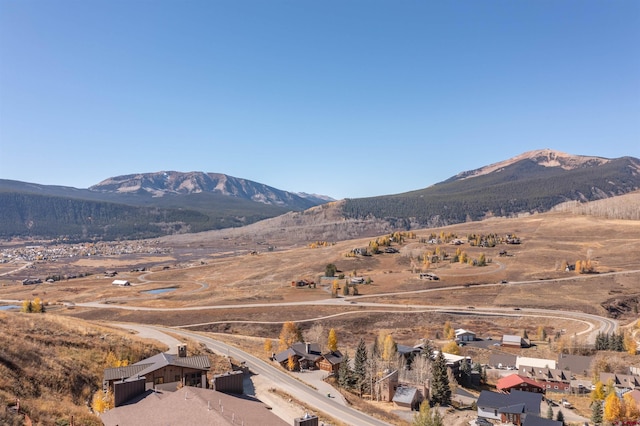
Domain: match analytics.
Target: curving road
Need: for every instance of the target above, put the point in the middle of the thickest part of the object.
(276, 376)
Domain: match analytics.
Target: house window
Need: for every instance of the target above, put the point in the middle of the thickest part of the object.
(177, 378)
(158, 380)
(555, 387)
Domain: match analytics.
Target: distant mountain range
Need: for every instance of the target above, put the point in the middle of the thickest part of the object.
(142, 206)
(153, 204)
(532, 182)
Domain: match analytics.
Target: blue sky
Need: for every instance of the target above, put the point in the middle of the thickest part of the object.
(347, 98)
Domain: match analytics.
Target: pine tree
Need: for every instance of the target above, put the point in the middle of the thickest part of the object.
(596, 412)
(550, 412)
(440, 391)
(344, 372)
(360, 366)
(560, 417)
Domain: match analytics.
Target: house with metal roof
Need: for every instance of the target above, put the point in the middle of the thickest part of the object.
(490, 403)
(308, 356)
(407, 396)
(517, 382)
(191, 406)
(515, 341)
(162, 371)
(463, 335)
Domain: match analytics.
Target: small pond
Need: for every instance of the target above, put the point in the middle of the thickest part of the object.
(9, 307)
(160, 290)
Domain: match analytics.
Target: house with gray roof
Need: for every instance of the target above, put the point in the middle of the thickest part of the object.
(308, 356)
(407, 396)
(490, 404)
(162, 371)
(191, 406)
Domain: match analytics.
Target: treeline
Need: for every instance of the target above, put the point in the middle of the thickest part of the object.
(524, 187)
(75, 220)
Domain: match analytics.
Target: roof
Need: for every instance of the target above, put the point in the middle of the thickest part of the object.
(118, 373)
(515, 380)
(333, 357)
(156, 362)
(510, 338)
(578, 363)
(405, 395)
(621, 380)
(461, 331)
(512, 409)
(451, 358)
(494, 400)
(547, 374)
(504, 359)
(299, 350)
(190, 406)
(531, 420)
(535, 362)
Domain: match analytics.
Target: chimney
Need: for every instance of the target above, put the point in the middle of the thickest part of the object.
(308, 347)
(182, 351)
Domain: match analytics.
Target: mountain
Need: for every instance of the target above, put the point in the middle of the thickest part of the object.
(166, 183)
(141, 206)
(168, 203)
(532, 182)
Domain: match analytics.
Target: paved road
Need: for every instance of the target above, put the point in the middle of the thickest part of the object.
(279, 379)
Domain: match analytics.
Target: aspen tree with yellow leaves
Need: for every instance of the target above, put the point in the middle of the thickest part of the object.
(613, 408)
(289, 335)
(332, 341)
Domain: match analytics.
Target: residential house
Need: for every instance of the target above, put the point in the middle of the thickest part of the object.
(578, 364)
(463, 335)
(553, 379)
(121, 283)
(191, 406)
(304, 356)
(512, 407)
(622, 382)
(518, 382)
(307, 356)
(331, 362)
(510, 340)
(407, 397)
(581, 386)
(162, 371)
(385, 388)
(499, 360)
(535, 362)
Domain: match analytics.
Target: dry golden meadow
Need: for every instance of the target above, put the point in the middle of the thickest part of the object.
(216, 269)
(220, 270)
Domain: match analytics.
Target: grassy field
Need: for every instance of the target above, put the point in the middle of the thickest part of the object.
(219, 271)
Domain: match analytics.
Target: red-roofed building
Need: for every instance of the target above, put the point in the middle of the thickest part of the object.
(514, 381)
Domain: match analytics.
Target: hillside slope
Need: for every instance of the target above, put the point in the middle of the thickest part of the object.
(54, 365)
(530, 183)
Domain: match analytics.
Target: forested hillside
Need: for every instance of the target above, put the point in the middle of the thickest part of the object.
(523, 187)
